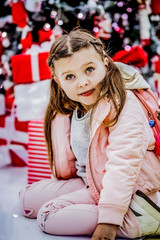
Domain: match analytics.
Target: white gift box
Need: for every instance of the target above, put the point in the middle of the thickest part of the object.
(31, 100)
(13, 140)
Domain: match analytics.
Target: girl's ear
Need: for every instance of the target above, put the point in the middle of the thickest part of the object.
(106, 61)
(56, 80)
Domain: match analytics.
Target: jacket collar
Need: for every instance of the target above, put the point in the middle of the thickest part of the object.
(132, 77)
(101, 112)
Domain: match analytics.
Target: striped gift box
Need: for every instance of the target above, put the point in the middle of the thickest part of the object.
(38, 166)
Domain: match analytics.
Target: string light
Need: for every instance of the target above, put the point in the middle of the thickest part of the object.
(60, 22)
(125, 16)
(4, 34)
(120, 4)
(114, 25)
(127, 48)
(129, 10)
(47, 26)
(96, 29)
(117, 29)
(80, 15)
(53, 14)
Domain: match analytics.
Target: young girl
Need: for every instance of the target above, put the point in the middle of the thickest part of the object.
(106, 175)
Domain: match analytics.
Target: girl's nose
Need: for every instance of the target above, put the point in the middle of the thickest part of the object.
(83, 82)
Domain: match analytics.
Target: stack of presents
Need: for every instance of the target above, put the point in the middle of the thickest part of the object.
(21, 119)
(23, 105)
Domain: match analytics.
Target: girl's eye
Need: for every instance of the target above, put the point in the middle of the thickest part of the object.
(70, 77)
(89, 69)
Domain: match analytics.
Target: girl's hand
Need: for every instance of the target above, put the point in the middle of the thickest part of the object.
(104, 231)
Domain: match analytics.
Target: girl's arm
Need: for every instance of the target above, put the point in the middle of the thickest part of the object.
(128, 141)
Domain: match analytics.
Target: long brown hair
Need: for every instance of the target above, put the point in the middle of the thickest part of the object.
(111, 87)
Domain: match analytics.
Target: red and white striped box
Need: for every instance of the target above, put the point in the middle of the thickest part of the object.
(38, 165)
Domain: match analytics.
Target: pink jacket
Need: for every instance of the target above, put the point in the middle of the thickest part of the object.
(120, 159)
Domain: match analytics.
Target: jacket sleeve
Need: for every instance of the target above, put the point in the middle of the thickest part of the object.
(128, 141)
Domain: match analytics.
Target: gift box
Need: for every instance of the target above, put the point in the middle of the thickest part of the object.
(38, 165)
(31, 100)
(13, 140)
(28, 68)
(19, 15)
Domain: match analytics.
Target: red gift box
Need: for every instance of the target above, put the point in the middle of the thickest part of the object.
(38, 165)
(156, 76)
(13, 140)
(28, 68)
(19, 15)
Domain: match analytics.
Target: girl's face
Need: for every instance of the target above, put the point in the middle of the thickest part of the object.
(80, 75)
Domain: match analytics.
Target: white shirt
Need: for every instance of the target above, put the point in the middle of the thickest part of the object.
(80, 137)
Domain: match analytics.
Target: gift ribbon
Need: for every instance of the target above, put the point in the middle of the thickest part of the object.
(35, 67)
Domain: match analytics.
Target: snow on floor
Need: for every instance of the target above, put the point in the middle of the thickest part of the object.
(13, 226)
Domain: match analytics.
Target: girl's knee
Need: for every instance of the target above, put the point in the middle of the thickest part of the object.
(66, 218)
(46, 216)
(25, 203)
(43, 215)
(33, 197)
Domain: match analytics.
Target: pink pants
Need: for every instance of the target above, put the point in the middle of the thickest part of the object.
(66, 207)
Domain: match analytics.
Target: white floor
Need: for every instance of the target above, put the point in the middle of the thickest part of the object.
(13, 226)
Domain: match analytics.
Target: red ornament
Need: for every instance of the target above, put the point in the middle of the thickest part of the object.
(155, 7)
(19, 15)
(45, 33)
(26, 42)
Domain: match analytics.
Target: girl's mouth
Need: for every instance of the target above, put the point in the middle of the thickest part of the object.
(88, 93)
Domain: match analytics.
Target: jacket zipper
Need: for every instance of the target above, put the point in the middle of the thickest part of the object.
(92, 172)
